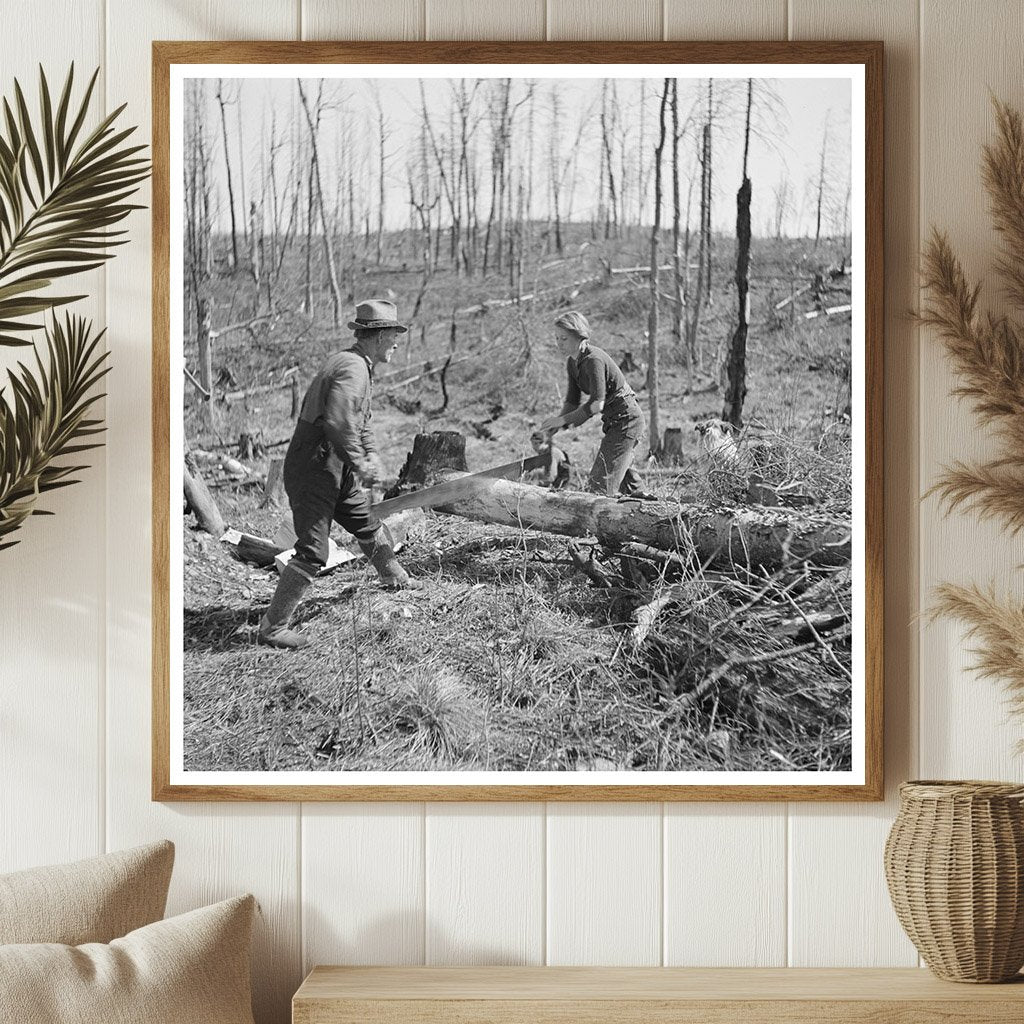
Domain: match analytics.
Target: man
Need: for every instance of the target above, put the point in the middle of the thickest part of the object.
(331, 458)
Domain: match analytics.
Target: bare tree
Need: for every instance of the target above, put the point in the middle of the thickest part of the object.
(736, 391)
(222, 103)
(313, 123)
(608, 118)
(782, 195)
(652, 320)
(198, 257)
(821, 181)
(677, 276)
(383, 134)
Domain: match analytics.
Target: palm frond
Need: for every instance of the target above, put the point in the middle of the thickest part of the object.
(62, 192)
(46, 419)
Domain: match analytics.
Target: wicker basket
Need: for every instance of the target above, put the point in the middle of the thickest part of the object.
(954, 861)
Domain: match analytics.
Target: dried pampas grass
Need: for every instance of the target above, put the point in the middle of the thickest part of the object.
(986, 351)
(996, 629)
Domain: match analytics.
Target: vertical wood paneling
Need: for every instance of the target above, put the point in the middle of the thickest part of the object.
(620, 884)
(967, 49)
(362, 884)
(485, 19)
(604, 884)
(725, 19)
(51, 584)
(725, 885)
(485, 884)
(604, 19)
(382, 19)
(225, 848)
(836, 851)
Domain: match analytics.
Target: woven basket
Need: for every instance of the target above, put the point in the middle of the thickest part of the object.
(954, 861)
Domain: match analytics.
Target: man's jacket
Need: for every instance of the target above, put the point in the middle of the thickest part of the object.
(338, 402)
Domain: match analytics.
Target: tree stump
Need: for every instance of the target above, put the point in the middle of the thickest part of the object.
(250, 446)
(432, 454)
(273, 492)
(672, 445)
(627, 364)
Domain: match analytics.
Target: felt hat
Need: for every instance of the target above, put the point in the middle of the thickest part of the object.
(374, 314)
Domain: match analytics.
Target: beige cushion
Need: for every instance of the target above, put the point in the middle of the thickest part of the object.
(93, 900)
(192, 969)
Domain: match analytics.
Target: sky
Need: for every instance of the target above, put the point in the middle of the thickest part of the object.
(791, 116)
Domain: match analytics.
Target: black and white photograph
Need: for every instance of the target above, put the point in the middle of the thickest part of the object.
(523, 417)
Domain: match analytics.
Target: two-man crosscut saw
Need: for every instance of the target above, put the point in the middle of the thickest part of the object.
(452, 490)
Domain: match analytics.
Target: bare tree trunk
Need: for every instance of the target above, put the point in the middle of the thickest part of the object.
(708, 200)
(677, 305)
(308, 302)
(736, 391)
(332, 272)
(255, 236)
(652, 321)
(697, 300)
(227, 166)
(821, 185)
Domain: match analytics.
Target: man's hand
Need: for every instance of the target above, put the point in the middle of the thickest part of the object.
(370, 471)
(541, 440)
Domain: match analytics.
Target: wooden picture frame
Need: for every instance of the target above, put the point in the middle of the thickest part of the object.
(863, 61)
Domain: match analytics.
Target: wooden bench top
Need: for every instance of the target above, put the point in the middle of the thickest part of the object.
(515, 995)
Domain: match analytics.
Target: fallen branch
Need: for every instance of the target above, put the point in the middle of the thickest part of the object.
(428, 372)
(588, 565)
(701, 690)
(199, 387)
(200, 500)
(646, 614)
(789, 298)
(261, 389)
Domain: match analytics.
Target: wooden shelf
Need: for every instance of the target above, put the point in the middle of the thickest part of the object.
(631, 995)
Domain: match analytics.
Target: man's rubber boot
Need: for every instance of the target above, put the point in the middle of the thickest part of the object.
(274, 625)
(382, 557)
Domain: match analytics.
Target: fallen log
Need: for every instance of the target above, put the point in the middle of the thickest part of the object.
(753, 538)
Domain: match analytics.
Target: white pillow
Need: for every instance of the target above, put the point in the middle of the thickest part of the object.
(191, 969)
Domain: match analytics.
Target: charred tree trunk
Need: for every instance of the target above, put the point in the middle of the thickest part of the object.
(736, 391)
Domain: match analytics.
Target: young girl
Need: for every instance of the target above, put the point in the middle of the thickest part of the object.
(592, 372)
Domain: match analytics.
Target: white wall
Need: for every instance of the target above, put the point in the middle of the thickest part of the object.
(751, 884)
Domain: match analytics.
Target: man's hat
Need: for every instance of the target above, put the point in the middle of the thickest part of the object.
(375, 314)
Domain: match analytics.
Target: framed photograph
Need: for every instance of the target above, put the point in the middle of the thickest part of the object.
(517, 421)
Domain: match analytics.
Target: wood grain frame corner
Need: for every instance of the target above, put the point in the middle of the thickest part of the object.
(870, 54)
